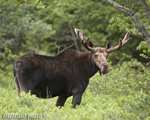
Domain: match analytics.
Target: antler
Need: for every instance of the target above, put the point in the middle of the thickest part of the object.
(123, 42)
(86, 43)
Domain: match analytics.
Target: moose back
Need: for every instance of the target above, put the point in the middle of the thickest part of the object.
(66, 74)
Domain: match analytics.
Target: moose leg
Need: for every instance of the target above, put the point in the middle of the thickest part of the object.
(18, 87)
(61, 100)
(76, 100)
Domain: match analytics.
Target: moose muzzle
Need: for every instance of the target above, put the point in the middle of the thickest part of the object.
(104, 68)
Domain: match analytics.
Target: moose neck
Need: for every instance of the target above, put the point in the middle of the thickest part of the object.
(88, 63)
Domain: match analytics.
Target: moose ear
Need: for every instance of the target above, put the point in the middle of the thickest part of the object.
(89, 42)
(109, 44)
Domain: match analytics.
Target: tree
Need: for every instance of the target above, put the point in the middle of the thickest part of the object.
(133, 14)
(38, 24)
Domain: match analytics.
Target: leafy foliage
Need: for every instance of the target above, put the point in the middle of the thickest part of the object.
(143, 46)
(116, 95)
(29, 28)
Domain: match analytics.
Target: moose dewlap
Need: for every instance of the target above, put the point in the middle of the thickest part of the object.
(66, 74)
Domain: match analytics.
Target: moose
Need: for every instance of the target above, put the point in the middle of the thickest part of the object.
(66, 74)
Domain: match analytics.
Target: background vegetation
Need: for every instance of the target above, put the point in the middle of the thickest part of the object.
(39, 26)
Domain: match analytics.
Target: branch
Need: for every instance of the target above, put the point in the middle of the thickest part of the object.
(74, 38)
(134, 17)
(147, 10)
(119, 7)
(65, 48)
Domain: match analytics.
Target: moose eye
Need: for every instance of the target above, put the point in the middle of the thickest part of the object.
(96, 56)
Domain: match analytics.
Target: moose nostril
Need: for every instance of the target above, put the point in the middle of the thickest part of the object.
(105, 68)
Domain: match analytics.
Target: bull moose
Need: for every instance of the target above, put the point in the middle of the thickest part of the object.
(66, 74)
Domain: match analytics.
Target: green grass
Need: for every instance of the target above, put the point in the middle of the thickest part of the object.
(122, 94)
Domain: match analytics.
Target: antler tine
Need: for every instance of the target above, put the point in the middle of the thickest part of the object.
(80, 36)
(86, 43)
(123, 42)
(127, 35)
(126, 38)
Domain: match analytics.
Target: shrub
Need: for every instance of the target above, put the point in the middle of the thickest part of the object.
(121, 94)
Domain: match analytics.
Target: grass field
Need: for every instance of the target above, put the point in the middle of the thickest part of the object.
(122, 94)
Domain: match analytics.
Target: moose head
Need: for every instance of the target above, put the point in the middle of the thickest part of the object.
(100, 54)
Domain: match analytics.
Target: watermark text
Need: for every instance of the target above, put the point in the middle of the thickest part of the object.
(22, 116)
